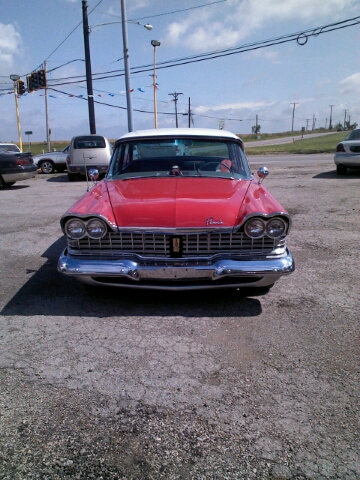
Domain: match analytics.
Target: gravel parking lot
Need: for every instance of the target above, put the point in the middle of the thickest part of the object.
(128, 384)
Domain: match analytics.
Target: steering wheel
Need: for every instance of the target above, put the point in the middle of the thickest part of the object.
(217, 164)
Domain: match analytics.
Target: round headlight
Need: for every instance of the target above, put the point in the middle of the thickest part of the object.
(75, 228)
(96, 228)
(276, 227)
(255, 228)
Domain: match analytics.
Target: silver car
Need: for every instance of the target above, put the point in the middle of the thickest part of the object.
(347, 152)
(87, 152)
(51, 161)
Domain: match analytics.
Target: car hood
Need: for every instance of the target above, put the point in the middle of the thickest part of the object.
(177, 202)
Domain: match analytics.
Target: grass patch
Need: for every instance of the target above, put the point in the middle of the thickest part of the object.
(41, 147)
(325, 144)
(308, 146)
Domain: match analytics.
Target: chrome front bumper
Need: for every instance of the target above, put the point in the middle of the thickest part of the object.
(219, 274)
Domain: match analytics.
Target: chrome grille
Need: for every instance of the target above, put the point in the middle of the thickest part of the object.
(193, 245)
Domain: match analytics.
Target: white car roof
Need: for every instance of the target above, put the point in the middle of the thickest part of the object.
(191, 132)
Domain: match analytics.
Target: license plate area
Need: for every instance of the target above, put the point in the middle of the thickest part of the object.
(173, 273)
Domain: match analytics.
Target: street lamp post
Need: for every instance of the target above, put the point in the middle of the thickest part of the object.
(155, 43)
(15, 79)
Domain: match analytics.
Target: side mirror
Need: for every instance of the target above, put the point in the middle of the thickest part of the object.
(262, 173)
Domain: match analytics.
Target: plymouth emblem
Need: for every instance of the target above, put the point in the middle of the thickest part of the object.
(176, 244)
(213, 221)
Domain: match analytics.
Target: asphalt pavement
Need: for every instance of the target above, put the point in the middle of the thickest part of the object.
(122, 384)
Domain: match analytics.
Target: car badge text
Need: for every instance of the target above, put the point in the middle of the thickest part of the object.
(213, 221)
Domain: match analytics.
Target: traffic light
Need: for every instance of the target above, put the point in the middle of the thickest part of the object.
(35, 80)
(29, 83)
(42, 78)
(20, 87)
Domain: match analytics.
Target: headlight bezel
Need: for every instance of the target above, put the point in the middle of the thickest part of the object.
(267, 223)
(85, 228)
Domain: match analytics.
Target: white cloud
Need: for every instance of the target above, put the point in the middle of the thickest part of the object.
(10, 44)
(239, 19)
(235, 106)
(350, 84)
(265, 53)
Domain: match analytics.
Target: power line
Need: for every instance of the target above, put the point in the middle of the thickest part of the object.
(300, 37)
(171, 12)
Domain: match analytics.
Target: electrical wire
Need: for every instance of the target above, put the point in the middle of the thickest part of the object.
(300, 37)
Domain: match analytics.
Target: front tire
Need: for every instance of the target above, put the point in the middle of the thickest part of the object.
(341, 169)
(47, 166)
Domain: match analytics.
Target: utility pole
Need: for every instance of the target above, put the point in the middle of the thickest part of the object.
(175, 95)
(307, 124)
(47, 113)
(292, 126)
(345, 118)
(314, 121)
(88, 69)
(15, 79)
(189, 113)
(330, 123)
(127, 67)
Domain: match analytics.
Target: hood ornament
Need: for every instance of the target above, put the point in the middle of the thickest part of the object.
(212, 221)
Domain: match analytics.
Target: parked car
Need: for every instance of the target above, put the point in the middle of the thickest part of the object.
(88, 151)
(10, 147)
(176, 222)
(52, 161)
(347, 152)
(15, 166)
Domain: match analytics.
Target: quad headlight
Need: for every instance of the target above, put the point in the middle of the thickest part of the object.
(76, 229)
(96, 228)
(257, 227)
(276, 227)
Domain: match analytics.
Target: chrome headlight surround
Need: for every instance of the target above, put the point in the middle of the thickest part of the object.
(255, 227)
(96, 228)
(75, 228)
(276, 227)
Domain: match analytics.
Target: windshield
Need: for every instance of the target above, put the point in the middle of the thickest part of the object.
(9, 148)
(179, 157)
(354, 135)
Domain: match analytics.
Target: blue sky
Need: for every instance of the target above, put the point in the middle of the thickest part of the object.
(232, 89)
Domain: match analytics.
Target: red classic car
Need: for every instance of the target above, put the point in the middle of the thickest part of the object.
(178, 209)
